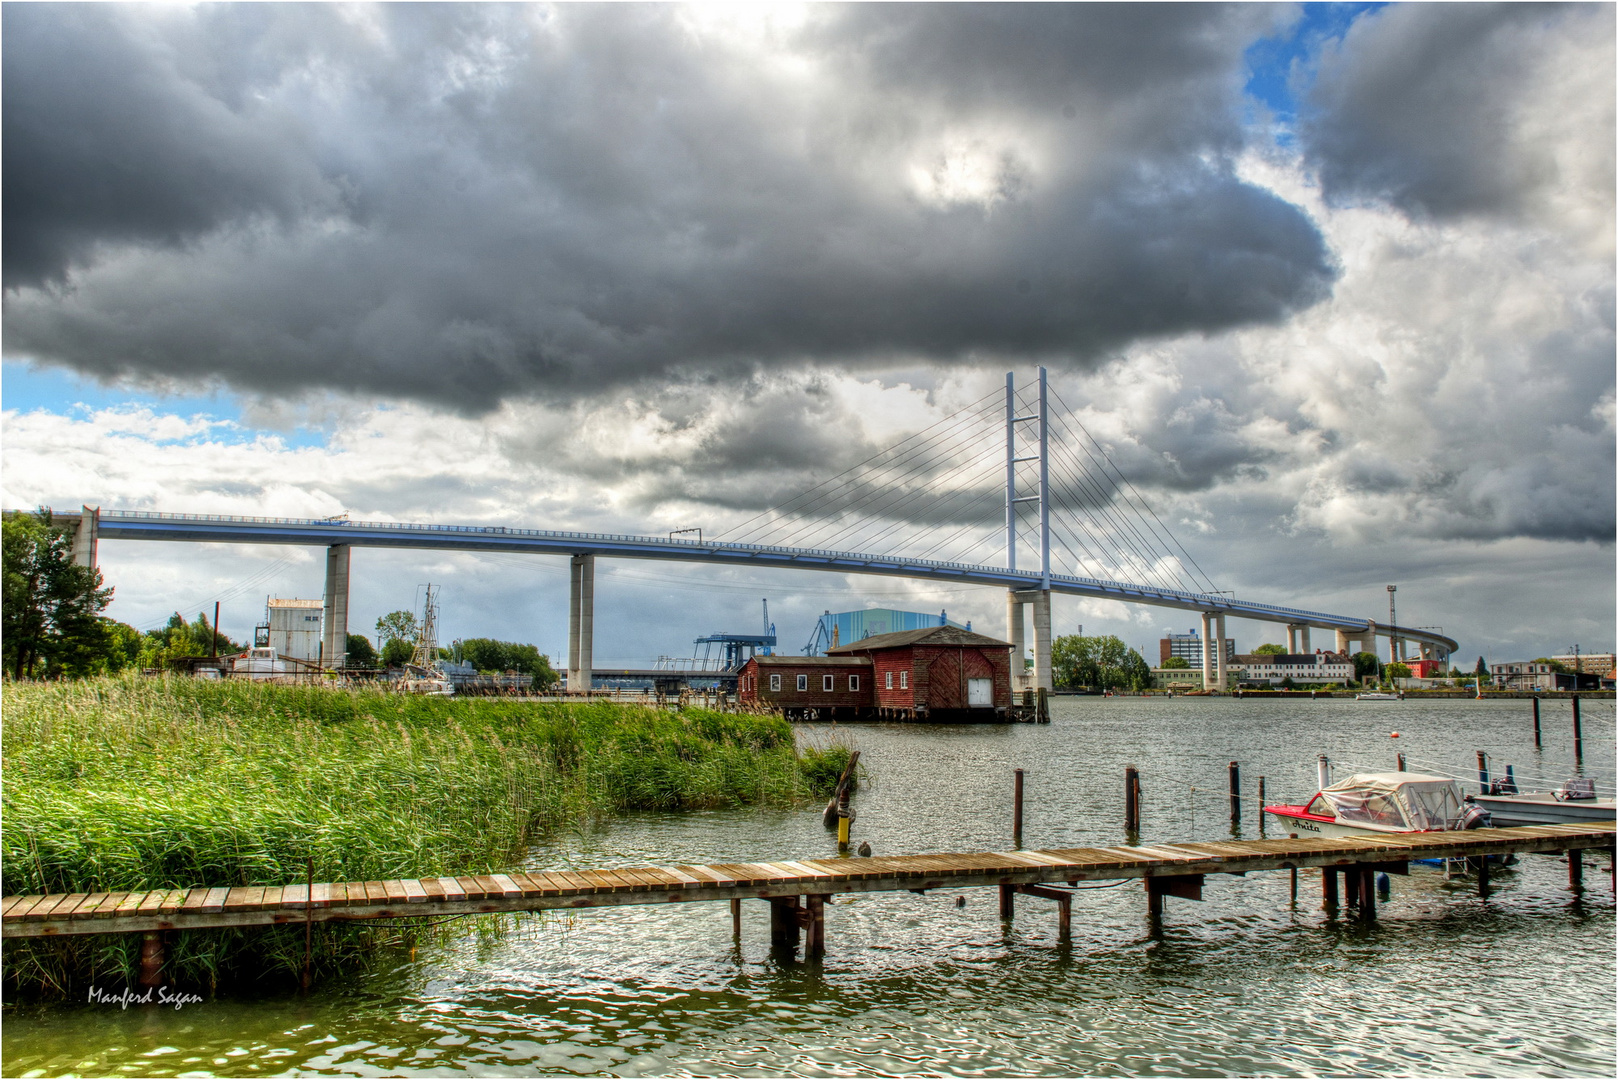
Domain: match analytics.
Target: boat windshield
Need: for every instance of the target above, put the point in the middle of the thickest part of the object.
(1396, 801)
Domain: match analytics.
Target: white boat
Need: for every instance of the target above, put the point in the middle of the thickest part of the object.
(1574, 803)
(1377, 695)
(1393, 802)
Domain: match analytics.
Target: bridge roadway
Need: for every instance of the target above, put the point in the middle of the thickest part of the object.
(146, 525)
(797, 890)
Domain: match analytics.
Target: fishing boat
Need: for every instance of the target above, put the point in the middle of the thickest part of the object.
(1575, 802)
(1392, 802)
(1377, 695)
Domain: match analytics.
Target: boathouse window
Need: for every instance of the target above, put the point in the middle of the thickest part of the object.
(826, 683)
(904, 680)
(853, 682)
(890, 681)
(775, 682)
(803, 682)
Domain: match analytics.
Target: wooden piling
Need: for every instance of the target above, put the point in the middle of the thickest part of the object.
(816, 925)
(1578, 732)
(1536, 724)
(1328, 887)
(1575, 870)
(1008, 901)
(1483, 875)
(1235, 797)
(784, 922)
(1016, 810)
(1483, 771)
(736, 919)
(1042, 712)
(1131, 800)
(1401, 761)
(1261, 803)
(1294, 885)
(1367, 889)
(151, 958)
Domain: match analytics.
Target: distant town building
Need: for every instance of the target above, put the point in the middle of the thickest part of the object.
(295, 628)
(1537, 675)
(1188, 647)
(1317, 667)
(1427, 668)
(1592, 663)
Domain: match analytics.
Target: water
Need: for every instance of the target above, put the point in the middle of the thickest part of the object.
(1445, 983)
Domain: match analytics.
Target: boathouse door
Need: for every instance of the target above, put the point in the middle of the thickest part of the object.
(980, 693)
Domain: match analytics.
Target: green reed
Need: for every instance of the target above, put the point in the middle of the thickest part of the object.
(133, 783)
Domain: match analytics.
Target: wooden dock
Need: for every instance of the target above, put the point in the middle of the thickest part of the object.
(797, 889)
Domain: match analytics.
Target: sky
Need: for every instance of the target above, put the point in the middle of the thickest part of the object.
(1332, 286)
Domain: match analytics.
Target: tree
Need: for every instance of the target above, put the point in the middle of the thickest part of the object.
(1104, 662)
(1270, 649)
(360, 652)
(1482, 670)
(489, 655)
(1176, 662)
(396, 631)
(50, 620)
(1397, 670)
(1367, 666)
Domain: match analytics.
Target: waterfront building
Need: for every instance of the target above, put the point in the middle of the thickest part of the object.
(1188, 647)
(827, 686)
(1538, 675)
(295, 628)
(1317, 668)
(940, 673)
(1587, 663)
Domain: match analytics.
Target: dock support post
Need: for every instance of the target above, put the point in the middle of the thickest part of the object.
(1578, 732)
(1294, 885)
(1235, 797)
(1575, 870)
(1016, 811)
(1131, 800)
(784, 922)
(1008, 901)
(816, 920)
(1261, 806)
(1328, 887)
(1483, 771)
(1154, 901)
(1483, 875)
(736, 919)
(1400, 761)
(151, 958)
(1536, 724)
(1367, 891)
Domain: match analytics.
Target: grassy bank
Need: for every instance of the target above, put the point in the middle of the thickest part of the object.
(129, 783)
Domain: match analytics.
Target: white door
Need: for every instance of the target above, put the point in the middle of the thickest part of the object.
(980, 692)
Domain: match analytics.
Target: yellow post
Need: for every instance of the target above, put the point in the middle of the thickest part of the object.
(842, 832)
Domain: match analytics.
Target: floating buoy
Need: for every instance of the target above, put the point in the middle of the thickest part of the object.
(1395, 735)
(960, 901)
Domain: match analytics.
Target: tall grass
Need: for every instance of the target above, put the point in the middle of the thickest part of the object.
(131, 783)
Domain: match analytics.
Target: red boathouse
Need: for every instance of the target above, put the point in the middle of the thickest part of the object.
(936, 673)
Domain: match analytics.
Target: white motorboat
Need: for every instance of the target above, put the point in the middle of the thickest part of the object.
(1377, 695)
(1574, 803)
(1393, 802)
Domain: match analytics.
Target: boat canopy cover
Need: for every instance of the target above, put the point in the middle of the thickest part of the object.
(1396, 800)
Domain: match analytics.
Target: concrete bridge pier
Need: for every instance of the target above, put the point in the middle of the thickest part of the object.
(1221, 675)
(85, 535)
(1040, 601)
(334, 625)
(1303, 639)
(581, 624)
(1341, 644)
(1215, 674)
(1014, 634)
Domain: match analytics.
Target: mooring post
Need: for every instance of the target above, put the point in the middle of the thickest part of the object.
(1578, 732)
(1575, 870)
(1483, 771)
(1294, 885)
(1400, 760)
(1536, 723)
(151, 958)
(1483, 875)
(1043, 713)
(1328, 887)
(1261, 806)
(736, 919)
(1235, 797)
(1016, 810)
(1154, 901)
(845, 818)
(1131, 800)
(1367, 895)
(1008, 901)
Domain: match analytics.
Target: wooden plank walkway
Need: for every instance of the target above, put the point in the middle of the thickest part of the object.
(257, 905)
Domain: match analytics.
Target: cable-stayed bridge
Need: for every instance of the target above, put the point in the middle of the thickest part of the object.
(1007, 493)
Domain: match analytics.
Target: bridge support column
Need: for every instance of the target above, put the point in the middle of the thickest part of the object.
(1221, 674)
(85, 537)
(1014, 634)
(581, 624)
(1303, 639)
(1042, 640)
(1207, 650)
(334, 626)
(1341, 644)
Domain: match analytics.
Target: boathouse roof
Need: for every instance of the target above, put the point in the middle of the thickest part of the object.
(927, 635)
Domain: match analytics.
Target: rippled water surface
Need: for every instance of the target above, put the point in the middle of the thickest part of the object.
(1445, 983)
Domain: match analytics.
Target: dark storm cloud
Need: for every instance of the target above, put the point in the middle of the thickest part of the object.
(465, 203)
(1423, 105)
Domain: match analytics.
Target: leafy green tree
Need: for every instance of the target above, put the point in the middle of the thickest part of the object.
(1270, 649)
(1397, 670)
(360, 652)
(1104, 662)
(396, 632)
(489, 655)
(50, 616)
(1367, 666)
(178, 639)
(1176, 662)
(1482, 670)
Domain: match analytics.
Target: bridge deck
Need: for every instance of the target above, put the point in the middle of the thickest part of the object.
(197, 908)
